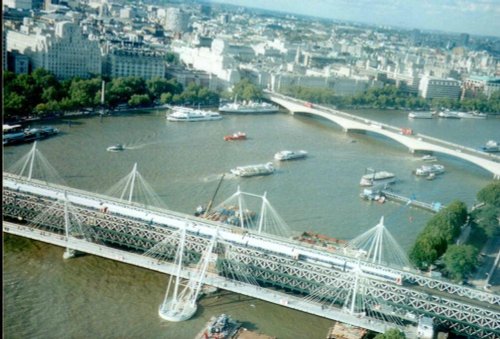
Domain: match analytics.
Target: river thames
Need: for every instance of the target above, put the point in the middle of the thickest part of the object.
(90, 297)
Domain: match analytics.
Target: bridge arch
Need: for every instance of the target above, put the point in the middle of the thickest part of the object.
(414, 142)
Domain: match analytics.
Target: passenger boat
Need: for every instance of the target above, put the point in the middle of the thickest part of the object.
(421, 115)
(290, 155)
(221, 327)
(115, 148)
(491, 146)
(190, 114)
(425, 170)
(248, 107)
(375, 177)
(471, 115)
(429, 158)
(16, 135)
(448, 114)
(236, 136)
(253, 170)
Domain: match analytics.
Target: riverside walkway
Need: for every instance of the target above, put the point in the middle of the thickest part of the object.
(267, 267)
(415, 142)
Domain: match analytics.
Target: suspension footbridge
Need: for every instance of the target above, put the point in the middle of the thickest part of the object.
(367, 283)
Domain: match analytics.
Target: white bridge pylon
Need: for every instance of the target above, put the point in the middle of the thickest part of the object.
(134, 187)
(239, 210)
(180, 304)
(379, 246)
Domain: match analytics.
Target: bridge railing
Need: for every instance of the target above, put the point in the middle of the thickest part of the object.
(429, 139)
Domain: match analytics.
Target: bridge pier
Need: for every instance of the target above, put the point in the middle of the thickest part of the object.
(69, 253)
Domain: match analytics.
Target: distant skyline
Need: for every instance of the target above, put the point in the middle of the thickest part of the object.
(476, 17)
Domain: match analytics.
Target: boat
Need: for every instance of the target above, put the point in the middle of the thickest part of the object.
(115, 148)
(236, 136)
(471, 115)
(290, 155)
(425, 170)
(221, 327)
(491, 146)
(431, 176)
(15, 135)
(428, 157)
(448, 114)
(421, 115)
(374, 177)
(253, 170)
(227, 214)
(329, 243)
(248, 107)
(190, 114)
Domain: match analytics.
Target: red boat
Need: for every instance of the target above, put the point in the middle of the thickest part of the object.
(236, 136)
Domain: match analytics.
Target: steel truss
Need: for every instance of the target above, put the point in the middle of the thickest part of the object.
(268, 268)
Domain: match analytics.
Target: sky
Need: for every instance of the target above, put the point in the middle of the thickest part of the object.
(476, 17)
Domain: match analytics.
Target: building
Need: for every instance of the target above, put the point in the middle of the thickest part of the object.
(18, 63)
(431, 87)
(63, 51)
(474, 85)
(18, 4)
(176, 20)
(125, 62)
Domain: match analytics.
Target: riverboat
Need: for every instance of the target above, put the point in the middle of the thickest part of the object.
(253, 170)
(290, 155)
(235, 136)
(190, 114)
(15, 135)
(471, 115)
(115, 148)
(428, 158)
(426, 170)
(447, 114)
(248, 107)
(421, 115)
(377, 177)
(228, 214)
(491, 146)
(329, 243)
(221, 327)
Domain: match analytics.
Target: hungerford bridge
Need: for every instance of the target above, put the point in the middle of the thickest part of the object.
(414, 142)
(355, 284)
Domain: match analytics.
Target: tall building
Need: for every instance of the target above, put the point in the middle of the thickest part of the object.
(176, 20)
(64, 51)
(464, 39)
(431, 87)
(18, 4)
(474, 85)
(125, 62)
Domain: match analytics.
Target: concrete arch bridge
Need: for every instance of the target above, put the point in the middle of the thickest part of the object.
(414, 142)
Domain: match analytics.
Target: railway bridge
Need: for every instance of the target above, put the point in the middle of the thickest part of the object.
(330, 284)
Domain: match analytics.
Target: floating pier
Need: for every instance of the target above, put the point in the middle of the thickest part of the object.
(382, 195)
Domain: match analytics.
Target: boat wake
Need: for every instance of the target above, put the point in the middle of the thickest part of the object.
(132, 147)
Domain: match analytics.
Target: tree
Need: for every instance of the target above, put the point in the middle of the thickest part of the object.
(139, 100)
(460, 260)
(490, 194)
(488, 219)
(392, 333)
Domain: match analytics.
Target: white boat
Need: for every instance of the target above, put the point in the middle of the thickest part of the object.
(190, 114)
(290, 155)
(429, 157)
(253, 170)
(420, 115)
(471, 115)
(448, 114)
(426, 170)
(249, 107)
(491, 146)
(380, 177)
(115, 148)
